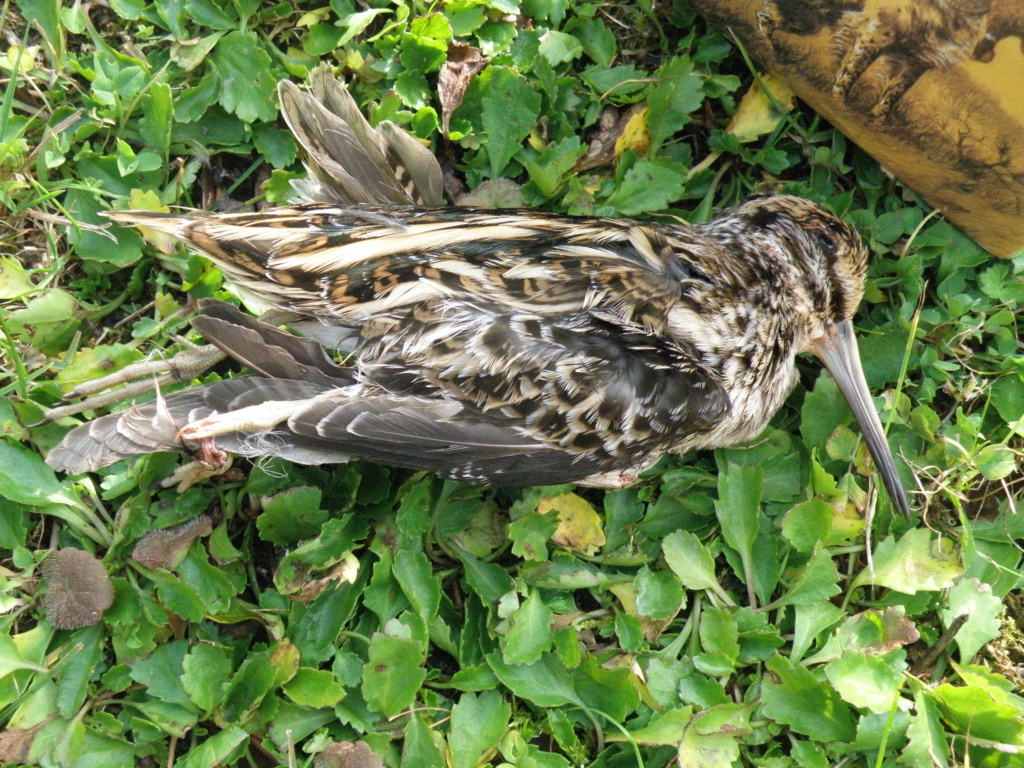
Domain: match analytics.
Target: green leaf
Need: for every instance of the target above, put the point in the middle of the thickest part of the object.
(510, 110)
(739, 511)
(805, 704)
(393, 674)
(915, 563)
(206, 670)
(14, 279)
(659, 595)
(78, 668)
(530, 535)
(275, 144)
(712, 738)
(545, 683)
(157, 118)
(478, 722)
(868, 681)
(807, 524)
(649, 185)
(819, 580)
(25, 479)
(246, 83)
(418, 749)
(161, 673)
(666, 728)
(598, 41)
(291, 516)
(413, 573)
(810, 620)
(192, 103)
(873, 631)
(530, 636)
(250, 684)
(881, 356)
(610, 691)
(191, 55)
(996, 462)
(314, 688)
(823, 410)
(983, 609)
(1007, 395)
(928, 745)
(478, 677)
(423, 54)
(739, 505)
(629, 631)
(559, 47)
(488, 580)
(622, 82)
(691, 561)
(222, 748)
(179, 597)
(719, 633)
(50, 320)
(677, 93)
(983, 707)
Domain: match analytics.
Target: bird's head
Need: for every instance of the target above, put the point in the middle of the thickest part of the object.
(815, 263)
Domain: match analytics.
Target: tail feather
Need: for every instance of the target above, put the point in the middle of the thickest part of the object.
(350, 161)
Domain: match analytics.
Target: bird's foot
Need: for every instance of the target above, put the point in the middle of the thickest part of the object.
(210, 462)
(136, 379)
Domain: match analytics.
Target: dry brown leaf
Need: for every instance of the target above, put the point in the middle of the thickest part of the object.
(611, 129)
(345, 572)
(78, 589)
(464, 62)
(348, 754)
(15, 743)
(167, 548)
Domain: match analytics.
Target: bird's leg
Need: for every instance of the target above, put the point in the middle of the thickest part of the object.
(137, 379)
(254, 418)
(211, 460)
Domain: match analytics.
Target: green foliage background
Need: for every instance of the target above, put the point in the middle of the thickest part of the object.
(732, 612)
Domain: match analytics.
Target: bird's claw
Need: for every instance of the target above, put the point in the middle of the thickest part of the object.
(136, 379)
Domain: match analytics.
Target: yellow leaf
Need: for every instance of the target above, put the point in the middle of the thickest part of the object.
(147, 200)
(18, 60)
(635, 135)
(579, 526)
(758, 112)
(313, 17)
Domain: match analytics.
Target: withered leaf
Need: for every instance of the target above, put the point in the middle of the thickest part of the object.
(78, 589)
(464, 62)
(615, 132)
(167, 548)
(348, 754)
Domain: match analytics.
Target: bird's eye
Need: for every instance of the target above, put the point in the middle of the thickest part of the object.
(826, 241)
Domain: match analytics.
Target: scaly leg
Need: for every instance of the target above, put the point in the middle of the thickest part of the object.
(130, 380)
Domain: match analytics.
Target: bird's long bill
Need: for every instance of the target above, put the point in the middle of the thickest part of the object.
(838, 350)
